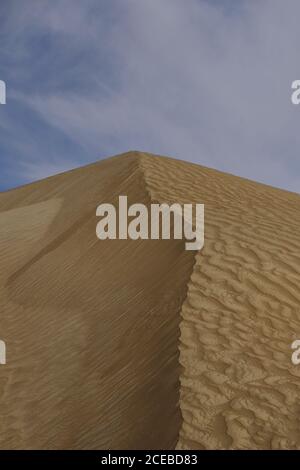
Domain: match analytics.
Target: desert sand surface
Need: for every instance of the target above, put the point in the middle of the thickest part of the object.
(129, 344)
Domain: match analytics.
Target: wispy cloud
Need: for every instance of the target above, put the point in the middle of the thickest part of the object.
(206, 81)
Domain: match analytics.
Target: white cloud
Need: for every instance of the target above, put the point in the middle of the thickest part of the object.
(186, 79)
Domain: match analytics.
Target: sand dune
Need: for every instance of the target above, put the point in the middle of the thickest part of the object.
(141, 344)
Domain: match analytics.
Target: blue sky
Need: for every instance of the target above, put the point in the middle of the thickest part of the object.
(208, 81)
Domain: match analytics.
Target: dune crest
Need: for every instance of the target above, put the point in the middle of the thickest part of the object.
(91, 327)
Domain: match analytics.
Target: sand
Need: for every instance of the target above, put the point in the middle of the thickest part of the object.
(142, 344)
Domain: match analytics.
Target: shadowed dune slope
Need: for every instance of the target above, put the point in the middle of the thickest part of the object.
(101, 334)
(91, 327)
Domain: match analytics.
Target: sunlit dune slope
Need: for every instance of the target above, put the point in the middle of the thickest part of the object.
(239, 388)
(105, 337)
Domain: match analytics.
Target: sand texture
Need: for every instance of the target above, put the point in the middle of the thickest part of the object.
(139, 343)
